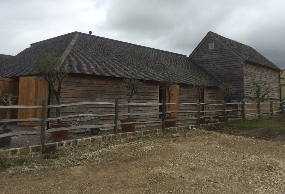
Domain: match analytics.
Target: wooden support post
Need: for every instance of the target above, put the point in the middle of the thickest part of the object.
(163, 115)
(243, 110)
(116, 117)
(198, 114)
(271, 108)
(224, 110)
(43, 124)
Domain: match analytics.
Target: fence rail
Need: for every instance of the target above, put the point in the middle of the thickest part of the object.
(186, 115)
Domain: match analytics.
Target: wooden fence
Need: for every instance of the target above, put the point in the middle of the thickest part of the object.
(186, 116)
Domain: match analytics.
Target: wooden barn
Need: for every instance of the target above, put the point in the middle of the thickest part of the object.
(237, 64)
(97, 67)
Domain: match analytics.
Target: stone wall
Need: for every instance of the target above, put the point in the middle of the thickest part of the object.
(258, 74)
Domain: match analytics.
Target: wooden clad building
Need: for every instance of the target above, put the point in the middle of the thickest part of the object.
(98, 65)
(237, 64)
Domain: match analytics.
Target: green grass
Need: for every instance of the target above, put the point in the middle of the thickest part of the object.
(4, 164)
(24, 162)
(271, 124)
(51, 156)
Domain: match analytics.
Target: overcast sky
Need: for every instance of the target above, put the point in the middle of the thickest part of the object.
(171, 25)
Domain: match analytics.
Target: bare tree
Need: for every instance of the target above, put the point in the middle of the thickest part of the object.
(49, 67)
(261, 91)
(167, 84)
(227, 91)
(8, 99)
(132, 86)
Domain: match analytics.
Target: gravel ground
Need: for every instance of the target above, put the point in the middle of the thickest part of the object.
(194, 161)
(28, 140)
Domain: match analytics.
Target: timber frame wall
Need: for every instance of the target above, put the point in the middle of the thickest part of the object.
(227, 66)
(78, 88)
(32, 90)
(223, 63)
(9, 86)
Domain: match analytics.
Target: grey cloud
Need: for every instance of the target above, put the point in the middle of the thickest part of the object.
(171, 25)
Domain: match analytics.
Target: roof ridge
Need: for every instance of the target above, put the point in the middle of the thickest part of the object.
(110, 39)
(251, 50)
(69, 48)
(51, 39)
(215, 34)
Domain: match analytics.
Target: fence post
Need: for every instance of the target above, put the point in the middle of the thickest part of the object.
(258, 110)
(243, 110)
(43, 121)
(282, 108)
(271, 108)
(224, 109)
(116, 117)
(198, 114)
(163, 115)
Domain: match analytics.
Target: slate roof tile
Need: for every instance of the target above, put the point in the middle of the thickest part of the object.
(245, 52)
(93, 55)
(4, 58)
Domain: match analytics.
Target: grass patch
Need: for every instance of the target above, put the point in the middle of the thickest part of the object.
(24, 162)
(51, 156)
(271, 124)
(4, 164)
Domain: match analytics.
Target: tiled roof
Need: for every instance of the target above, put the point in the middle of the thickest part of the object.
(4, 58)
(21, 64)
(245, 52)
(93, 55)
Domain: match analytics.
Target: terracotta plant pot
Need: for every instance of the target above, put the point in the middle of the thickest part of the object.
(5, 141)
(202, 120)
(128, 127)
(59, 135)
(169, 122)
(223, 118)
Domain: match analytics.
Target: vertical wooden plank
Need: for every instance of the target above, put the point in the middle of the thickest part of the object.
(31, 91)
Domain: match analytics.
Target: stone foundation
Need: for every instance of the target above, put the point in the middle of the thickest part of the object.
(122, 137)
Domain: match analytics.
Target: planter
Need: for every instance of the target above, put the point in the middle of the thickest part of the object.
(128, 127)
(223, 118)
(59, 135)
(169, 122)
(202, 120)
(5, 141)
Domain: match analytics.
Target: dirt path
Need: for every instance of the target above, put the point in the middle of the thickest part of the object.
(195, 162)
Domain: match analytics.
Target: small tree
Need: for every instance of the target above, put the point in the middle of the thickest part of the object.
(132, 86)
(8, 100)
(49, 67)
(261, 91)
(167, 84)
(200, 85)
(227, 91)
